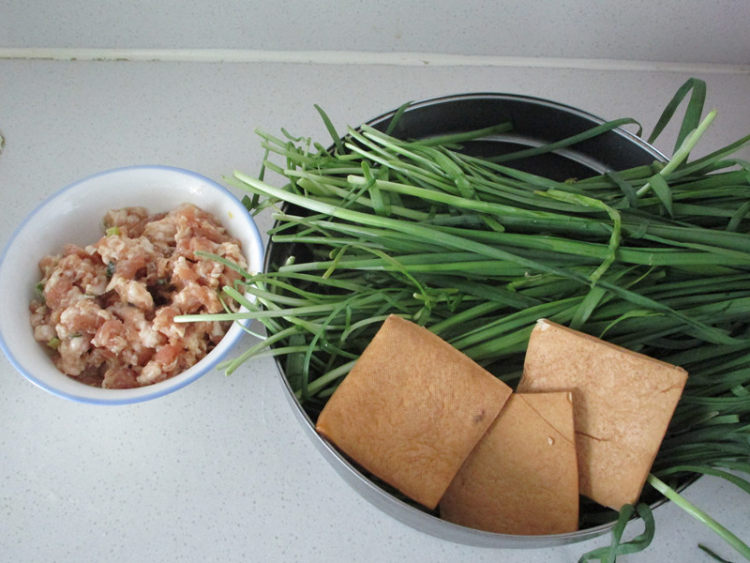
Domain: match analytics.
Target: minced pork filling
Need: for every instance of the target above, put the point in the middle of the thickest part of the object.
(106, 311)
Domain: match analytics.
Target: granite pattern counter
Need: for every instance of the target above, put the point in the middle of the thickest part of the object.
(220, 470)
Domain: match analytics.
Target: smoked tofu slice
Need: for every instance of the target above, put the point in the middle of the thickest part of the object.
(623, 402)
(411, 409)
(522, 477)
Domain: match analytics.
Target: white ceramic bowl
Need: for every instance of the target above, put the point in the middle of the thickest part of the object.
(73, 215)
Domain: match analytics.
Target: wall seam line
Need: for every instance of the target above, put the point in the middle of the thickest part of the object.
(357, 58)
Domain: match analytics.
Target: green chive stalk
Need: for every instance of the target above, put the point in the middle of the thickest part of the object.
(655, 258)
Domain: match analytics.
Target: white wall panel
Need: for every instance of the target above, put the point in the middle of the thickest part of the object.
(671, 30)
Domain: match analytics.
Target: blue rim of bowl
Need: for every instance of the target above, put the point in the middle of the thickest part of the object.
(159, 392)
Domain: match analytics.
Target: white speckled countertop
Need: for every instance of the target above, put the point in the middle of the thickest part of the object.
(220, 471)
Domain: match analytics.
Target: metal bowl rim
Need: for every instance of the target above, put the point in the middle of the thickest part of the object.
(380, 498)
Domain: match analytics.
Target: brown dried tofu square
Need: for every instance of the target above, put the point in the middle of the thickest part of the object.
(623, 403)
(522, 477)
(411, 409)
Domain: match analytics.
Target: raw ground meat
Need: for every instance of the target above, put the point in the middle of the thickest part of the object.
(107, 309)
